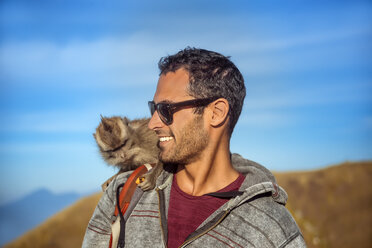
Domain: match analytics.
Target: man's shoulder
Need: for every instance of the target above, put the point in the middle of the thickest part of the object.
(268, 217)
(121, 178)
(267, 207)
(251, 168)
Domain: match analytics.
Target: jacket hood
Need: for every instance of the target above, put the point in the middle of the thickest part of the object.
(258, 181)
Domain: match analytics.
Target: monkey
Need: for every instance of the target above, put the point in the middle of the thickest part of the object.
(127, 145)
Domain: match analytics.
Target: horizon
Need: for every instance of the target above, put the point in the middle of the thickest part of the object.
(307, 70)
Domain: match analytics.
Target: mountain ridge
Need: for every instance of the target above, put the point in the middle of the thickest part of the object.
(23, 214)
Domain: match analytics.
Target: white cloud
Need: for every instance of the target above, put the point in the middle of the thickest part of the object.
(100, 62)
(250, 45)
(45, 147)
(132, 59)
(56, 121)
(280, 95)
(81, 119)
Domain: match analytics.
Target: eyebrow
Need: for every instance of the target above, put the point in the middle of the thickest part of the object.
(165, 101)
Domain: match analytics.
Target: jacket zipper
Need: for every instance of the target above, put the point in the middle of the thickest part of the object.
(160, 217)
(201, 234)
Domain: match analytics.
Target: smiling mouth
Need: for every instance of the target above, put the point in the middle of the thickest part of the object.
(162, 139)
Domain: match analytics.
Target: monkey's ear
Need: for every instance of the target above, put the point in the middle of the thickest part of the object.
(94, 135)
(125, 120)
(219, 112)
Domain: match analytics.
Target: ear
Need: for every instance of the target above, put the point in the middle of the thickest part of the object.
(220, 111)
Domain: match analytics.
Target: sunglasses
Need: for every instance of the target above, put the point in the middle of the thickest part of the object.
(166, 110)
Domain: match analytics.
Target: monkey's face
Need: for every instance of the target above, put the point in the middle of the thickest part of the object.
(185, 139)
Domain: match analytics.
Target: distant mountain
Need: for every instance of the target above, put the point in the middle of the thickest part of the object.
(332, 206)
(65, 229)
(26, 213)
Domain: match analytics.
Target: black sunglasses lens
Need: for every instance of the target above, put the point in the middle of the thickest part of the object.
(152, 108)
(164, 112)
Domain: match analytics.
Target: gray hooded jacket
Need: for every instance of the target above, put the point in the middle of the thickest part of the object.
(256, 218)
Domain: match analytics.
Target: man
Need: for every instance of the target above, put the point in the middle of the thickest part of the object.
(205, 197)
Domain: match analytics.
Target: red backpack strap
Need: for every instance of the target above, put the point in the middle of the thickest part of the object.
(129, 187)
(125, 197)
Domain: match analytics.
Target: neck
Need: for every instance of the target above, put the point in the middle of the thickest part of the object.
(211, 172)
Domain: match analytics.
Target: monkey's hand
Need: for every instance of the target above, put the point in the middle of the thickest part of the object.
(111, 133)
(149, 179)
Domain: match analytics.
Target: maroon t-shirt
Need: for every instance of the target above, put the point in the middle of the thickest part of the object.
(187, 212)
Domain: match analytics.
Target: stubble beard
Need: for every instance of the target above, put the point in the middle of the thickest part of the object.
(189, 146)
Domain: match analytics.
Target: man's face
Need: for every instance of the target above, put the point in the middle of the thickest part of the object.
(185, 139)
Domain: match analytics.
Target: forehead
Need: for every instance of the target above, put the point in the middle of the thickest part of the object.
(172, 86)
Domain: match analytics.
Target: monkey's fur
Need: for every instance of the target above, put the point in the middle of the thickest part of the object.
(129, 144)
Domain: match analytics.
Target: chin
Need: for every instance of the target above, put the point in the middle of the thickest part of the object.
(166, 159)
(175, 159)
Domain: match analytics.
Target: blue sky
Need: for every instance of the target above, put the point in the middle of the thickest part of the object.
(307, 67)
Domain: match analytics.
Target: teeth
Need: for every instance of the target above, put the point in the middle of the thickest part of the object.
(165, 139)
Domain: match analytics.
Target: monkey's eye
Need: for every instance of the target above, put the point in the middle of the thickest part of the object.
(117, 148)
(125, 142)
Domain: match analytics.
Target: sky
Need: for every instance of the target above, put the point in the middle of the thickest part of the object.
(307, 69)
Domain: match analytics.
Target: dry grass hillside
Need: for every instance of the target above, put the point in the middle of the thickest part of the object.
(333, 207)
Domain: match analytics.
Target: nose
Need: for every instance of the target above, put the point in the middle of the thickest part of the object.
(155, 121)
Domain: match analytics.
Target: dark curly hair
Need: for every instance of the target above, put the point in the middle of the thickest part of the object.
(211, 75)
